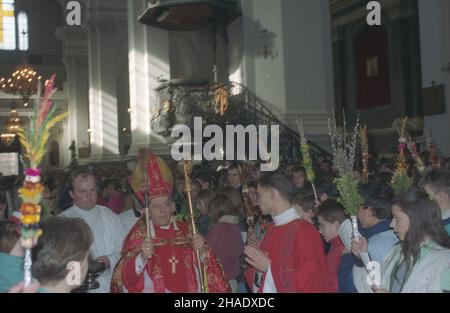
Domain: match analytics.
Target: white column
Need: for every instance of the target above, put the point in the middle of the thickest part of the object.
(236, 55)
(148, 60)
(76, 87)
(139, 85)
(294, 74)
(105, 22)
(262, 27)
(103, 121)
(78, 99)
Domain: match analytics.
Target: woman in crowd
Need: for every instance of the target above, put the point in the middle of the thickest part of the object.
(224, 237)
(204, 197)
(236, 199)
(420, 263)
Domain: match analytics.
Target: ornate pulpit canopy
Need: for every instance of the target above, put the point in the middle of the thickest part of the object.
(190, 15)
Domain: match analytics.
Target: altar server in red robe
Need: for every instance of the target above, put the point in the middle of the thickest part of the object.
(291, 257)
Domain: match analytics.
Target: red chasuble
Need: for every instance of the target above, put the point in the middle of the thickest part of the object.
(172, 267)
(297, 257)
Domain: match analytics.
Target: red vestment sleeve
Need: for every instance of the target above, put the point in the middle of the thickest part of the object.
(131, 280)
(126, 264)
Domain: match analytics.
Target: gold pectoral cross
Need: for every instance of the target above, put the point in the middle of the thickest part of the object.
(174, 261)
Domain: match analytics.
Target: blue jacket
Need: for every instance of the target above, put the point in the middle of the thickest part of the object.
(11, 271)
(383, 241)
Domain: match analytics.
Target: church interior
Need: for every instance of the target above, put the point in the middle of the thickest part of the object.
(351, 97)
(123, 74)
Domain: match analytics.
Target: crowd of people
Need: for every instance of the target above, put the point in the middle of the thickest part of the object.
(254, 231)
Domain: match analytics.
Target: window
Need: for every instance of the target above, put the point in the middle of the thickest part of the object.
(22, 22)
(7, 25)
(13, 28)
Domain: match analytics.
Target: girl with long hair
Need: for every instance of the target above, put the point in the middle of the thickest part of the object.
(421, 261)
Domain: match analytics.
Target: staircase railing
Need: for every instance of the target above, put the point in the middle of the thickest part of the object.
(252, 110)
(180, 101)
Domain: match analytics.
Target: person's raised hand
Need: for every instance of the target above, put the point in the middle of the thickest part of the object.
(198, 243)
(147, 249)
(104, 259)
(257, 258)
(359, 246)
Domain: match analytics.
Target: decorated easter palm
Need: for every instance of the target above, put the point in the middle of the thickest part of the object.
(347, 182)
(35, 142)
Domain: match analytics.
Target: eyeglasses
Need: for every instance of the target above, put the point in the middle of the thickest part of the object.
(167, 205)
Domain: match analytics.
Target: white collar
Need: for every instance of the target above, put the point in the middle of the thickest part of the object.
(86, 211)
(286, 217)
(152, 228)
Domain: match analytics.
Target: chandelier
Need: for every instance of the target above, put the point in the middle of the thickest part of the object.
(23, 82)
(12, 126)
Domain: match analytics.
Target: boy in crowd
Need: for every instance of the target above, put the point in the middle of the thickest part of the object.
(330, 215)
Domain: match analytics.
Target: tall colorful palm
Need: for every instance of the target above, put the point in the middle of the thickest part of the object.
(35, 141)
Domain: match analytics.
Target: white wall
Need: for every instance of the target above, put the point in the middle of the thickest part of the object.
(434, 18)
(265, 77)
(307, 50)
(235, 50)
(296, 77)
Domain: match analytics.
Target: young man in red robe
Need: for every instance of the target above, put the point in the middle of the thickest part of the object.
(291, 257)
(162, 258)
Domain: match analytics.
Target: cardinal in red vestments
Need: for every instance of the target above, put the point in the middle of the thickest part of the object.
(291, 257)
(160, 256)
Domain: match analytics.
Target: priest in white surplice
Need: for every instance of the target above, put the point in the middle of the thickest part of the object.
(105, 225)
